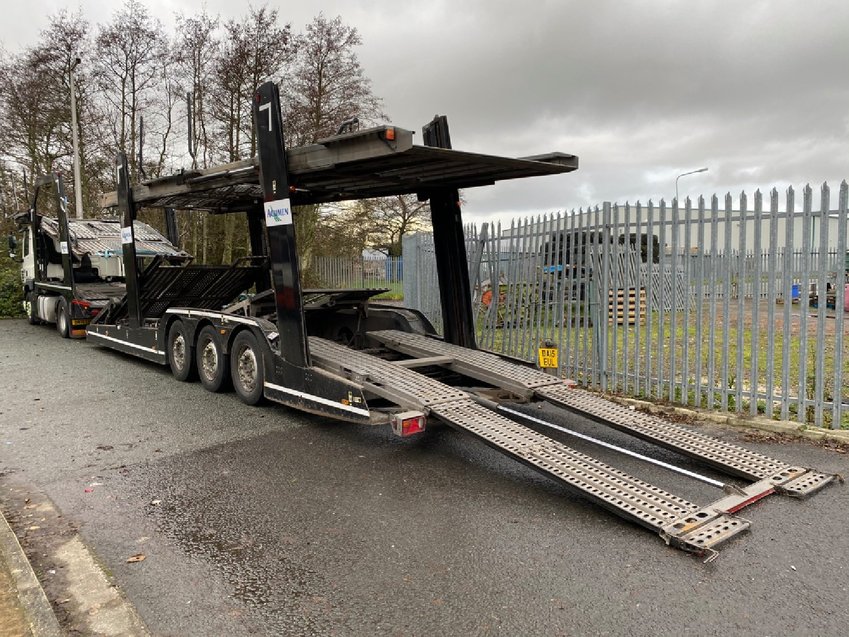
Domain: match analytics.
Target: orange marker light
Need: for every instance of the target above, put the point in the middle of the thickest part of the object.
(390, 134)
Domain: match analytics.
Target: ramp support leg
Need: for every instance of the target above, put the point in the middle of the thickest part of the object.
(450, 246)
(280, 226)
(128, 240)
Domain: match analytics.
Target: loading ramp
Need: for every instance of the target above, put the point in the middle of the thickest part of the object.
(527, 382)
(200, 286)
(680, 522)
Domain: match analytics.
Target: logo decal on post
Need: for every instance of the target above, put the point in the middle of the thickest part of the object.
(127, 235)
(63, 247)
(278, 213)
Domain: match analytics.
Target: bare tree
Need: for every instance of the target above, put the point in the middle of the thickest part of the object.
(324, 86)
(254, 49)
(35, 129)
(34, 122)
(196, 51)
(129, 72)
(65, 40)
(327, 84)
(130, 52)
(394, 217)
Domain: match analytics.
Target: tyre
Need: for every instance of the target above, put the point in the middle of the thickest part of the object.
(181, 354)
(246, 368)
(212, 363)
(63, 323)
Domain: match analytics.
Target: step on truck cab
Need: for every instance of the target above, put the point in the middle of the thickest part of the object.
(252, 325)
(70, 269)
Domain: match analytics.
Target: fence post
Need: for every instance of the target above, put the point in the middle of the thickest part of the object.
(412, 270)
(807, 250)
(841, 309)
(754, 376)
(774, 281)
(789, 274)
(822, 305)
(603, 297)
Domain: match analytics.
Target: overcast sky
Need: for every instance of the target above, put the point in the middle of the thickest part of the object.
(757, 92)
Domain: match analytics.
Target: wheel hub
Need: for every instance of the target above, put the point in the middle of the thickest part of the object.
(209, 360)
(178, 351)
(247, 367)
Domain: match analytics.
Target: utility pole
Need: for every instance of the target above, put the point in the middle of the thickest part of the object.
(78, 186)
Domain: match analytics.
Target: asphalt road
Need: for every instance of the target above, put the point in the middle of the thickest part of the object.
(265, 521)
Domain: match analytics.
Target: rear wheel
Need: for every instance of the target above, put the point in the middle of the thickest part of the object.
(63, 325)
(181, 354)
(211, 360)
(246, 368)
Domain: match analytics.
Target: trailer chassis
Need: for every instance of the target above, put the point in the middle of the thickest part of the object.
(359, 362)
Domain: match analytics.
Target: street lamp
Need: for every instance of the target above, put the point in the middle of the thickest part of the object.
(78, 190)
(692, 172)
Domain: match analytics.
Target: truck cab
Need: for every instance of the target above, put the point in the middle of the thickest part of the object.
(70, 269)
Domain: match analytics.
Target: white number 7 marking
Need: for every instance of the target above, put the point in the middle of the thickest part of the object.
(267, 107)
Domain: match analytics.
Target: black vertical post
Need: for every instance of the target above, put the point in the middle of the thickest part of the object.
(37, 245)
(128, 240)
(258, 247)
(171, 227)
(452, 266)
(279, 224)
(64, 231)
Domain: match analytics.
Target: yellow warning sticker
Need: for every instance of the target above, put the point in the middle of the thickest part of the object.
(548, 357)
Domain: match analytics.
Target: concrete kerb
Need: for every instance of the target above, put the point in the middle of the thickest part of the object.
(783, 427)
(43, 622)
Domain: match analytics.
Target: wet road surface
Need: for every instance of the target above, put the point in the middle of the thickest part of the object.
(266, 521)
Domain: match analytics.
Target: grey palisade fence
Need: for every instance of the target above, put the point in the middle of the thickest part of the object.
(739, 307)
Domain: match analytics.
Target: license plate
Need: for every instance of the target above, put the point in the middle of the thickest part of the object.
(548, 357)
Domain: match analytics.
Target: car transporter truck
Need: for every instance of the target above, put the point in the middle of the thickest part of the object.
(337, 353)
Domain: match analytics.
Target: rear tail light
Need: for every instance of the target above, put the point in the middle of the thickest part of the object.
(83, 305)
(408, 423)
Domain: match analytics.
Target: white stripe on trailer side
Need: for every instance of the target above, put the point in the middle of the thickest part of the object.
(52, 286)
(218, 315)
(318, 399)
(152, 350)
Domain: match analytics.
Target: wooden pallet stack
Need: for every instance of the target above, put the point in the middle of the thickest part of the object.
(625, 305)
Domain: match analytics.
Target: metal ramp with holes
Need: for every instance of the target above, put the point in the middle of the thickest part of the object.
(680, 522)
(527, 383)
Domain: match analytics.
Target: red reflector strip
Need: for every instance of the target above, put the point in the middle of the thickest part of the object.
(751, 500)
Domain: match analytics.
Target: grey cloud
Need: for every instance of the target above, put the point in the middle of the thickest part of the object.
(756, 91)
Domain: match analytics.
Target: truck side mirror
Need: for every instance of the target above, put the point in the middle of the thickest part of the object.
(13, 247)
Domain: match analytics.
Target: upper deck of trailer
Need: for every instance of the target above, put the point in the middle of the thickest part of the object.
(376, 162)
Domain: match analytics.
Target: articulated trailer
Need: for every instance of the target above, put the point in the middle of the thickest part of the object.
(340, 354)
(70, 269)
